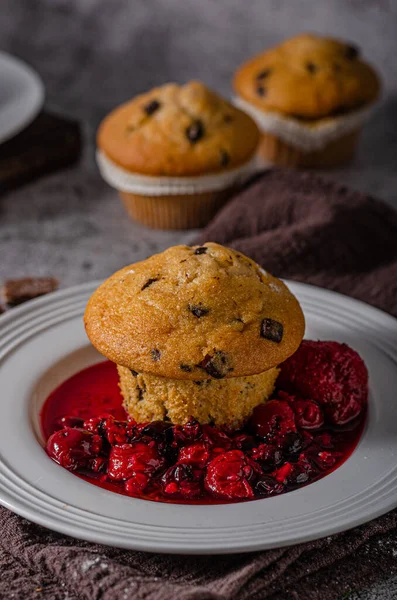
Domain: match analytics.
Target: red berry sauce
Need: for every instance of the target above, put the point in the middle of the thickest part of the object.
(309, 428)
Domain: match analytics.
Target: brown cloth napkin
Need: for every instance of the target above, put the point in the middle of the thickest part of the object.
(49, 143)
(298, 226)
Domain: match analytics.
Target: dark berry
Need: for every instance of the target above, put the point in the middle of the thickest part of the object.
(293, 444)
(272, 330)
(268, 486)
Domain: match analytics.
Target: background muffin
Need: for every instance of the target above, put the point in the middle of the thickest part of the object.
(175, 153)
(205, 316)
(310, 97)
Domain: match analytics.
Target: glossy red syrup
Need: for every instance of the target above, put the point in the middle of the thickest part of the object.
(288, 443)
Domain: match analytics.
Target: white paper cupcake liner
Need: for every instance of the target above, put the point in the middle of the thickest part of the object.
(308, 137)
(147, 185)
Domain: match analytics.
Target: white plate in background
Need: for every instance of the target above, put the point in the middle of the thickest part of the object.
(21, 96)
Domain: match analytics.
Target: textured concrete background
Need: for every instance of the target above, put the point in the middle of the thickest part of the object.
(93, 54)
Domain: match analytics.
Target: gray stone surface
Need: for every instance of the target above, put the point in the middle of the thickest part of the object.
(93, 54)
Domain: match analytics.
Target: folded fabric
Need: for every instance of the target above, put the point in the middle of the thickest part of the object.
(300, 227)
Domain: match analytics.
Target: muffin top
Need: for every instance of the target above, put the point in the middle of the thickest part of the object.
(178, 130)
(195, 313)
(308, 77)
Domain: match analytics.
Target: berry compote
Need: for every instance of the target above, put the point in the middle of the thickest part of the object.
(309, 427)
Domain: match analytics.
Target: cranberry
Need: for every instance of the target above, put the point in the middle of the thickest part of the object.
(128, 459)
(228, 476)
(197, 454)
(274, 418)
(268, 486)
(136, 484)
(72, 448)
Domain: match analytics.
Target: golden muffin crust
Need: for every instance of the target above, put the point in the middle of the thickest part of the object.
(221, 402)
(178, 130)
(195, 313)
(308, 77)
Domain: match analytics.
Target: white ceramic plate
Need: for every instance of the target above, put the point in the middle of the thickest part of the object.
(43, 342)
(21, 95)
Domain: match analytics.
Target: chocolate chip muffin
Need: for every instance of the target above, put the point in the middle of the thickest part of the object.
(195, 332)
(310, 97)
(175, 153)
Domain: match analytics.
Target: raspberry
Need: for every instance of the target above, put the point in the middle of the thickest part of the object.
(330, 373)
(228, 476)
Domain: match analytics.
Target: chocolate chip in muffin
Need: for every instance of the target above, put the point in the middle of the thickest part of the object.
(149, 282)
(261, 91)
(351, 52)
(201, 250)
(140, 393)
(228, 119)
(134, 373)
(225, 158)
(198, 311)
(151, 107)
(155, 354)
(263, 74)
(186, 368)
(195, 131)
(216, 365)
(311, 67)
(272, 330)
